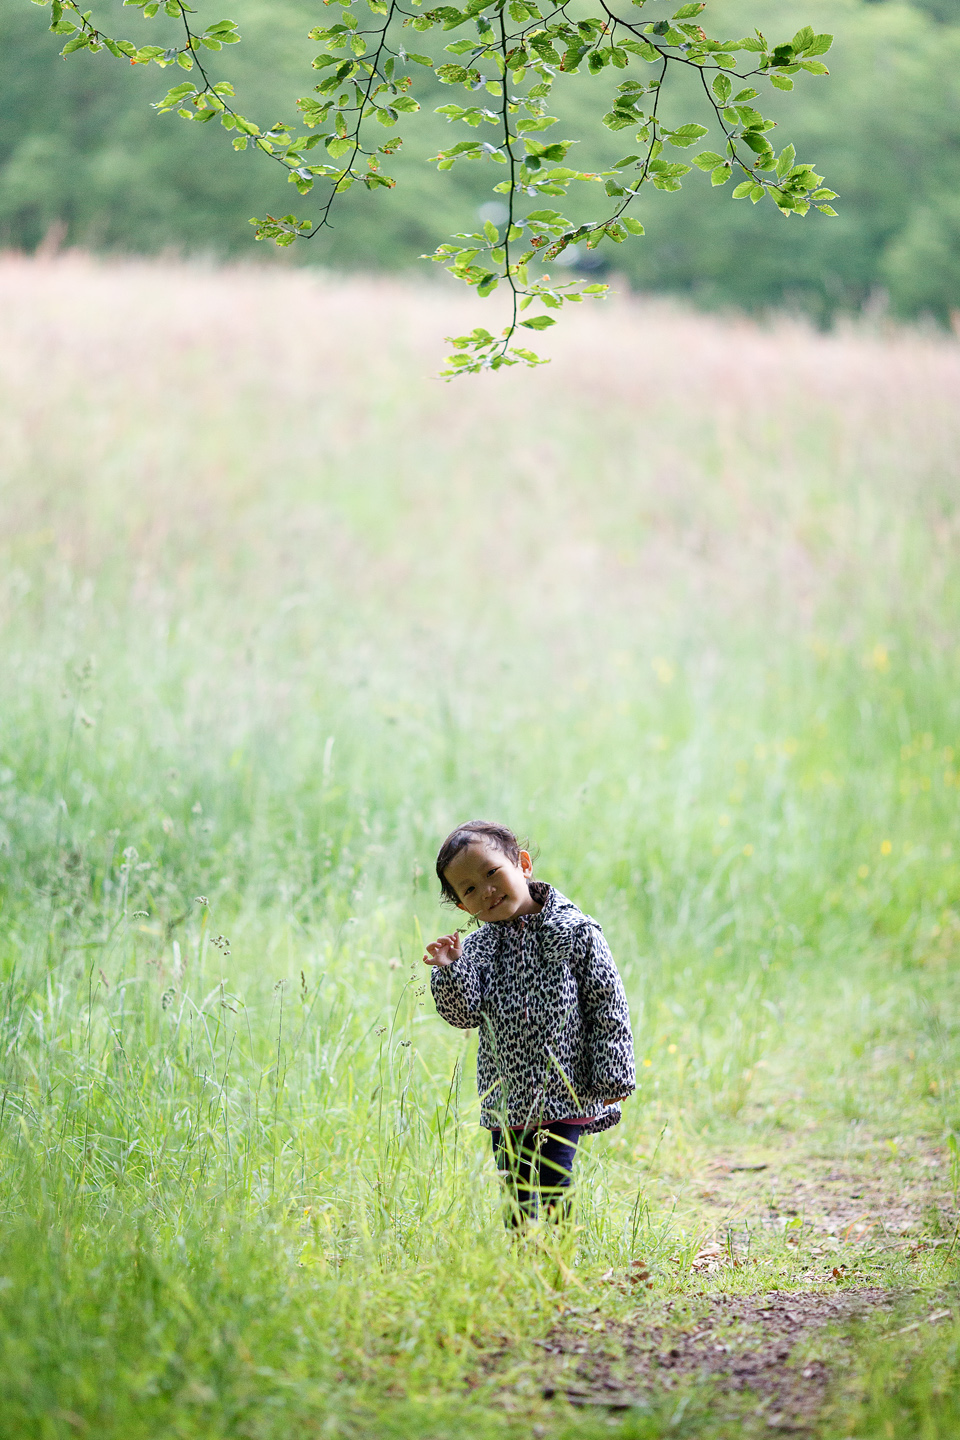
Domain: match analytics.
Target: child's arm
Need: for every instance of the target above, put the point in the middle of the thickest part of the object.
(606, 1017)
(454, 982)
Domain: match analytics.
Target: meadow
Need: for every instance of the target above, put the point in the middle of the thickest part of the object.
(278, 609)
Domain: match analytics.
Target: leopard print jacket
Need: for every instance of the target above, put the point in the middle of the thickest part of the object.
(555, 1038)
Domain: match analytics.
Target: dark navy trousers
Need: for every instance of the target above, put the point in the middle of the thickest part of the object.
(537, 1168)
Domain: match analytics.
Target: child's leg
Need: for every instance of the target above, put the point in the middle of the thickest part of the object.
(558, 1149)
(516, 1156)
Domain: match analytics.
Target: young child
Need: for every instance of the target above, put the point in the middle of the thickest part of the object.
(556, 1051)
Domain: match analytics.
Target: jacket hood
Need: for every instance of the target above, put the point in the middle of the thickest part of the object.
(558, 912)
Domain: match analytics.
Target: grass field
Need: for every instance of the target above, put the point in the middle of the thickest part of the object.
(278, 609)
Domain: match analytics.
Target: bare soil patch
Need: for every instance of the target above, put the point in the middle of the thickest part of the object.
(882, 1201)
(744, 1343)
(772, 1356)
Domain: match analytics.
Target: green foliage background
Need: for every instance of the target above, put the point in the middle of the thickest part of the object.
(81, 151)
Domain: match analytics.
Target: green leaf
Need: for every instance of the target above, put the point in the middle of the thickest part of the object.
(815, 67)
(785, 161)
(722, 88)
(451, 74)
(826, 210)
(543, 123)
(644, 49)
(743, 190)
(619, 120)
(781, 82)
(404, 103)
(464, 147)
(338, 145)
(543, 48)
(721, 175)
(490, 230)
(707, 160)
(687, 12)
(178, 92)
(632, 225)
(686, 135)
(539, 322)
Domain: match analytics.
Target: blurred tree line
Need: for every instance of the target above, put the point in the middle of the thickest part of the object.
(84, 160)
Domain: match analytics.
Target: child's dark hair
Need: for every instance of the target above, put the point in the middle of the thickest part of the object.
(464, 835)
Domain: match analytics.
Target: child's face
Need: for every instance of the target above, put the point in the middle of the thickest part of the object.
(489, 885)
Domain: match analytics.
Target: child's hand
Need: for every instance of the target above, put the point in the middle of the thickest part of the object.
(444, 951)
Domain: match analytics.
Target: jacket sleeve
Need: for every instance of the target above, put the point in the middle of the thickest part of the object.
(457, 991)
(606, 1019)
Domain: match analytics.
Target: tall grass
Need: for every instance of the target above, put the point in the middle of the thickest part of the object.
(278, 609)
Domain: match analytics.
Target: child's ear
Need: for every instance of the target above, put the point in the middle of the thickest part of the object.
(526, 864)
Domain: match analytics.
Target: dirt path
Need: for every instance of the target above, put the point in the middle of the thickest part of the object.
(744, 1343)
(883, 1199)
(822, 1234)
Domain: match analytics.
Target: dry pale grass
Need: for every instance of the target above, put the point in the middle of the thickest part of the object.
(278, 434)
